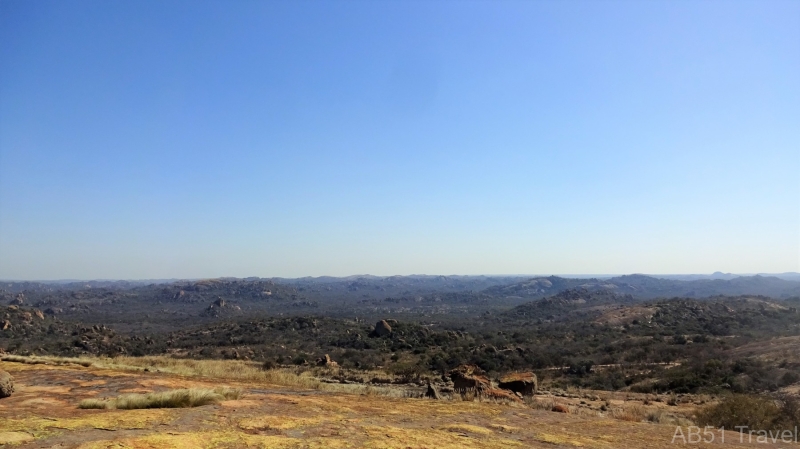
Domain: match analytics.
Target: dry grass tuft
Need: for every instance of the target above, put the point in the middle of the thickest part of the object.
(656, 416)
(94, 404)
(189, 397)
(540, 403)
(634, 413)
(46, 360)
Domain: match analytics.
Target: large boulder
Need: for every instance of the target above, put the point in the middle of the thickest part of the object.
(6, 384)
(522, 383)
(220, 307)
(469, 378)
(498, 394)
(467, 370)
(382, 328)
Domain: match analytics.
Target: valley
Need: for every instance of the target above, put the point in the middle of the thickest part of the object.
(354, 362)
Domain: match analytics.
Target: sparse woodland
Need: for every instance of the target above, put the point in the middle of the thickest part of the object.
(607, 335)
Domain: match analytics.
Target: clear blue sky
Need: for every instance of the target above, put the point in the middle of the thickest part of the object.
(157, 139)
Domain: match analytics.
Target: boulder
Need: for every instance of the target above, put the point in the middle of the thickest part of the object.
(326, 361)
(431, 392)
(469, 378)
(467, 370)
(499, 394)
(382, 328)
(221, 307)
(522, 383)
(6, 384)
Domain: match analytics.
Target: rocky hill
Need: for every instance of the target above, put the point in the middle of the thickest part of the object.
(648, 287)
(29, 330)
(566, 304)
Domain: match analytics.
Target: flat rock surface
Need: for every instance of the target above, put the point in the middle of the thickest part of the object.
(43, 413)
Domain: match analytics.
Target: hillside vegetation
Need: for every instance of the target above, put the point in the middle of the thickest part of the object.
(604, 334)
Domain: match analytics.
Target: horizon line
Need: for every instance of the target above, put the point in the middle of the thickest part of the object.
(571, 275)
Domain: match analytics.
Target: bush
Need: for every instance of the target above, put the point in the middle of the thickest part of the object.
(580, 368)
(268, 365)
(790, 412)
(754, 412)
(789, 378)
(407, 370)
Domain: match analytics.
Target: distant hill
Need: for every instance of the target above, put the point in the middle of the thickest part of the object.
(566, 304)
(788, 276)
(129, 306)
(546, 286)
(648, 287)
(395, 286)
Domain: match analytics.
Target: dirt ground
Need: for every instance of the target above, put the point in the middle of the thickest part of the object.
(43, 413)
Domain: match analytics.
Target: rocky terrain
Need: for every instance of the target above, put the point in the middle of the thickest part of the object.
(589, 333)
(44, 413)
(133, 305)
(475, 361)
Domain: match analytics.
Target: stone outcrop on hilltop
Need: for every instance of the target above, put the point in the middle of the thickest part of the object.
(237, 289)
(18, 300)
(21, 324)
(382, 328)
(16, 318)
(221, 307)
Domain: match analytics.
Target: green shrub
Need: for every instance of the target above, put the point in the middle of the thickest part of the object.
(790, 412)
(755, 412)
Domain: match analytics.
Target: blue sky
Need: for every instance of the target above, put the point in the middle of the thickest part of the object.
(158, 139)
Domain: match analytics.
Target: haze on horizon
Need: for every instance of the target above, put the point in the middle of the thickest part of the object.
(151, 140)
